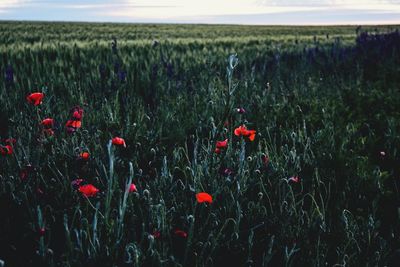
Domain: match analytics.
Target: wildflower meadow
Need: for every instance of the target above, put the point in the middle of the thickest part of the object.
(196, 145)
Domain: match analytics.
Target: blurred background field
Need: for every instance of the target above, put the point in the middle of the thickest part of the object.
(325, 102)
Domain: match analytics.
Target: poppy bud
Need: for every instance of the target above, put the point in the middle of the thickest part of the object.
(118, 141)
(42, 231)
(76, 182)
(181, 233)
(84, 155)
(240, 110)
(132, 188)
(156, 234)
(294, 179)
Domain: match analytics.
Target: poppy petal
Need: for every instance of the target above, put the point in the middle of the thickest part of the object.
(204, 197)
(88, 190)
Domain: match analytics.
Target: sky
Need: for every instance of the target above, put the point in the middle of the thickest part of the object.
(263, 12)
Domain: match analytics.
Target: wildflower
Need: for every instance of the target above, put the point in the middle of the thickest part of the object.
(226, 171)
(132, 188)
(77, 113)
(88, 190)
(221, 145)
(48, 132)
(24, 173)
(75, 121)
(47, 122)
(156, 234)
(9, 75)
(76, 182)
(265, 159)
(181, 233)
(204, 197)
(6, 150)
(294, 179)
(35, 98)
(10, 141)
(240, 110)
(242, 131)
(118, 141)
(73, 124)
(84, 155)
(42, 231)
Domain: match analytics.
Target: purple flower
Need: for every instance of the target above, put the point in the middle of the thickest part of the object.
(9, 75)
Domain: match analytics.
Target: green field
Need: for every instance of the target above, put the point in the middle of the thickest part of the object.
(318, 185)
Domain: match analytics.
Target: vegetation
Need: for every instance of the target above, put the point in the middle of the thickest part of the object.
(318, 185)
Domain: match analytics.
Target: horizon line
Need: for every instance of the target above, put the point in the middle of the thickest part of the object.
(205, 23)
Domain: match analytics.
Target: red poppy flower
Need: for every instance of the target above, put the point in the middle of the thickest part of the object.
(181, 233)
(242, 131)
(35, 98)
(48, 122)
(76, 119)
(294, 179)
(118, 141)
(88, 190)
(84, 155)
(77, 113)
(222, 144)
(132, 188)
(204, 197)
(6, 150)
(73, 124)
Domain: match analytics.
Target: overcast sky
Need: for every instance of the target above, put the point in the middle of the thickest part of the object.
(207, 11)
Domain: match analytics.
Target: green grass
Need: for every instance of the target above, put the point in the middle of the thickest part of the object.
(323, 100)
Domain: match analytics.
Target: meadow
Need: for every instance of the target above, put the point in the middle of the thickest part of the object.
(199, 145)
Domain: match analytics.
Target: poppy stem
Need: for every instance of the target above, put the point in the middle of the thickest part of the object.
(96, 209)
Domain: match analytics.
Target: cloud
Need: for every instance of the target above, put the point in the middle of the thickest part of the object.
(183, 9)
(204, 11)
(6, 4)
